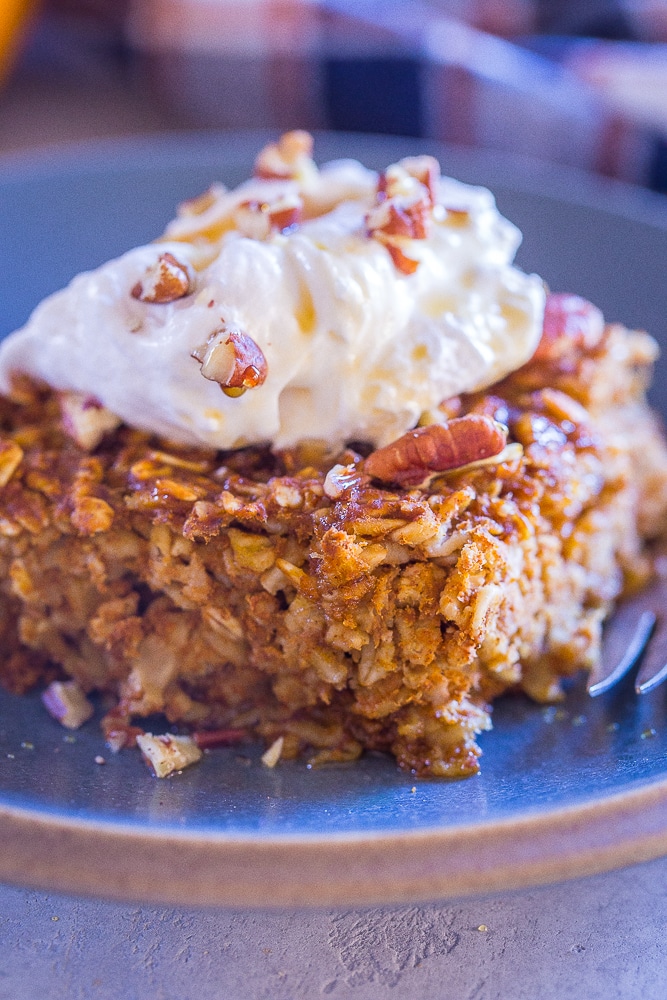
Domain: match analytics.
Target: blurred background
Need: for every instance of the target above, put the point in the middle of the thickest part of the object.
(567, 81)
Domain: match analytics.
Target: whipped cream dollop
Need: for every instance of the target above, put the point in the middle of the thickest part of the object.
(330, 303)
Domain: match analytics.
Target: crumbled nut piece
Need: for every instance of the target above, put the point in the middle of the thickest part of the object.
(233, 360)
(426, 170)
(399, 178)
(286, 496)
(404, 209)
(166, 753)
(570, 323)
(67, 702)
(339, 479)
(409, 460)
(289, 158)
(274, 753)
(252, 552)
(401, 217)
(166, 281)
(403, 263)
(11, 456)
(119, 731)
(85, 420)
(258, 219)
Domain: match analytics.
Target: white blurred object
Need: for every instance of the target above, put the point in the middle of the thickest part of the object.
(632, 77)
(507, 18)
(484, 91)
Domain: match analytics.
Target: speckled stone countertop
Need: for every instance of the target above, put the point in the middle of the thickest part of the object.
(600, 938)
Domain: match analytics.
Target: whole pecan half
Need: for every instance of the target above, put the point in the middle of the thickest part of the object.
(418, 454)
(165, 281)
(232, 359)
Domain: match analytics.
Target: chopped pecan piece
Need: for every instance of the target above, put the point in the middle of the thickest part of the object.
(233, 360)
(85, 420)
(166, 753)
(339, 479)
(119, 731)
(165, 281)
(559, 406)
(407, 265)
(271, 756)
(399, 178)
(403, 209)
(570, 323)
(407, 217)
(66, 701)
(396, 225)
(258, 219)
(286, 159)
(418, 454)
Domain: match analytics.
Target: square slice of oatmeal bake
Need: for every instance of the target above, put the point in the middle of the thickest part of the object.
(377, 476)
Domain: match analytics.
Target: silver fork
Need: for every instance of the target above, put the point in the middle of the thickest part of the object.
(636, 631)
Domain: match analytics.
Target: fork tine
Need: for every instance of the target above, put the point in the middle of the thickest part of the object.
(653, 669)
(625, 638)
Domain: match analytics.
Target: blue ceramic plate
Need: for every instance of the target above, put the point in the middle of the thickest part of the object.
(562, 792)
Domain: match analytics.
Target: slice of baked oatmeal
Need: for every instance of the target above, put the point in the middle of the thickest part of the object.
(293, 595)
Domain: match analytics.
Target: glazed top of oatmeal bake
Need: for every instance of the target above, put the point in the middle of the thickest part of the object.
(333, 303)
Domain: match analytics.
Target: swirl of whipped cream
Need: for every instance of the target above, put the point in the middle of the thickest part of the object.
(370, 304)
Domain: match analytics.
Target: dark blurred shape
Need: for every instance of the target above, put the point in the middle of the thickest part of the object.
(374, 95)
(657, 178)
(591, 18)
(77, 78)
(109, 12)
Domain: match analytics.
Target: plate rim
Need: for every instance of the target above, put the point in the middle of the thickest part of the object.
(570, 183)
(122, 862)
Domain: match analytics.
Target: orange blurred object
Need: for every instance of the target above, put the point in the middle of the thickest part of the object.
(14, 18)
